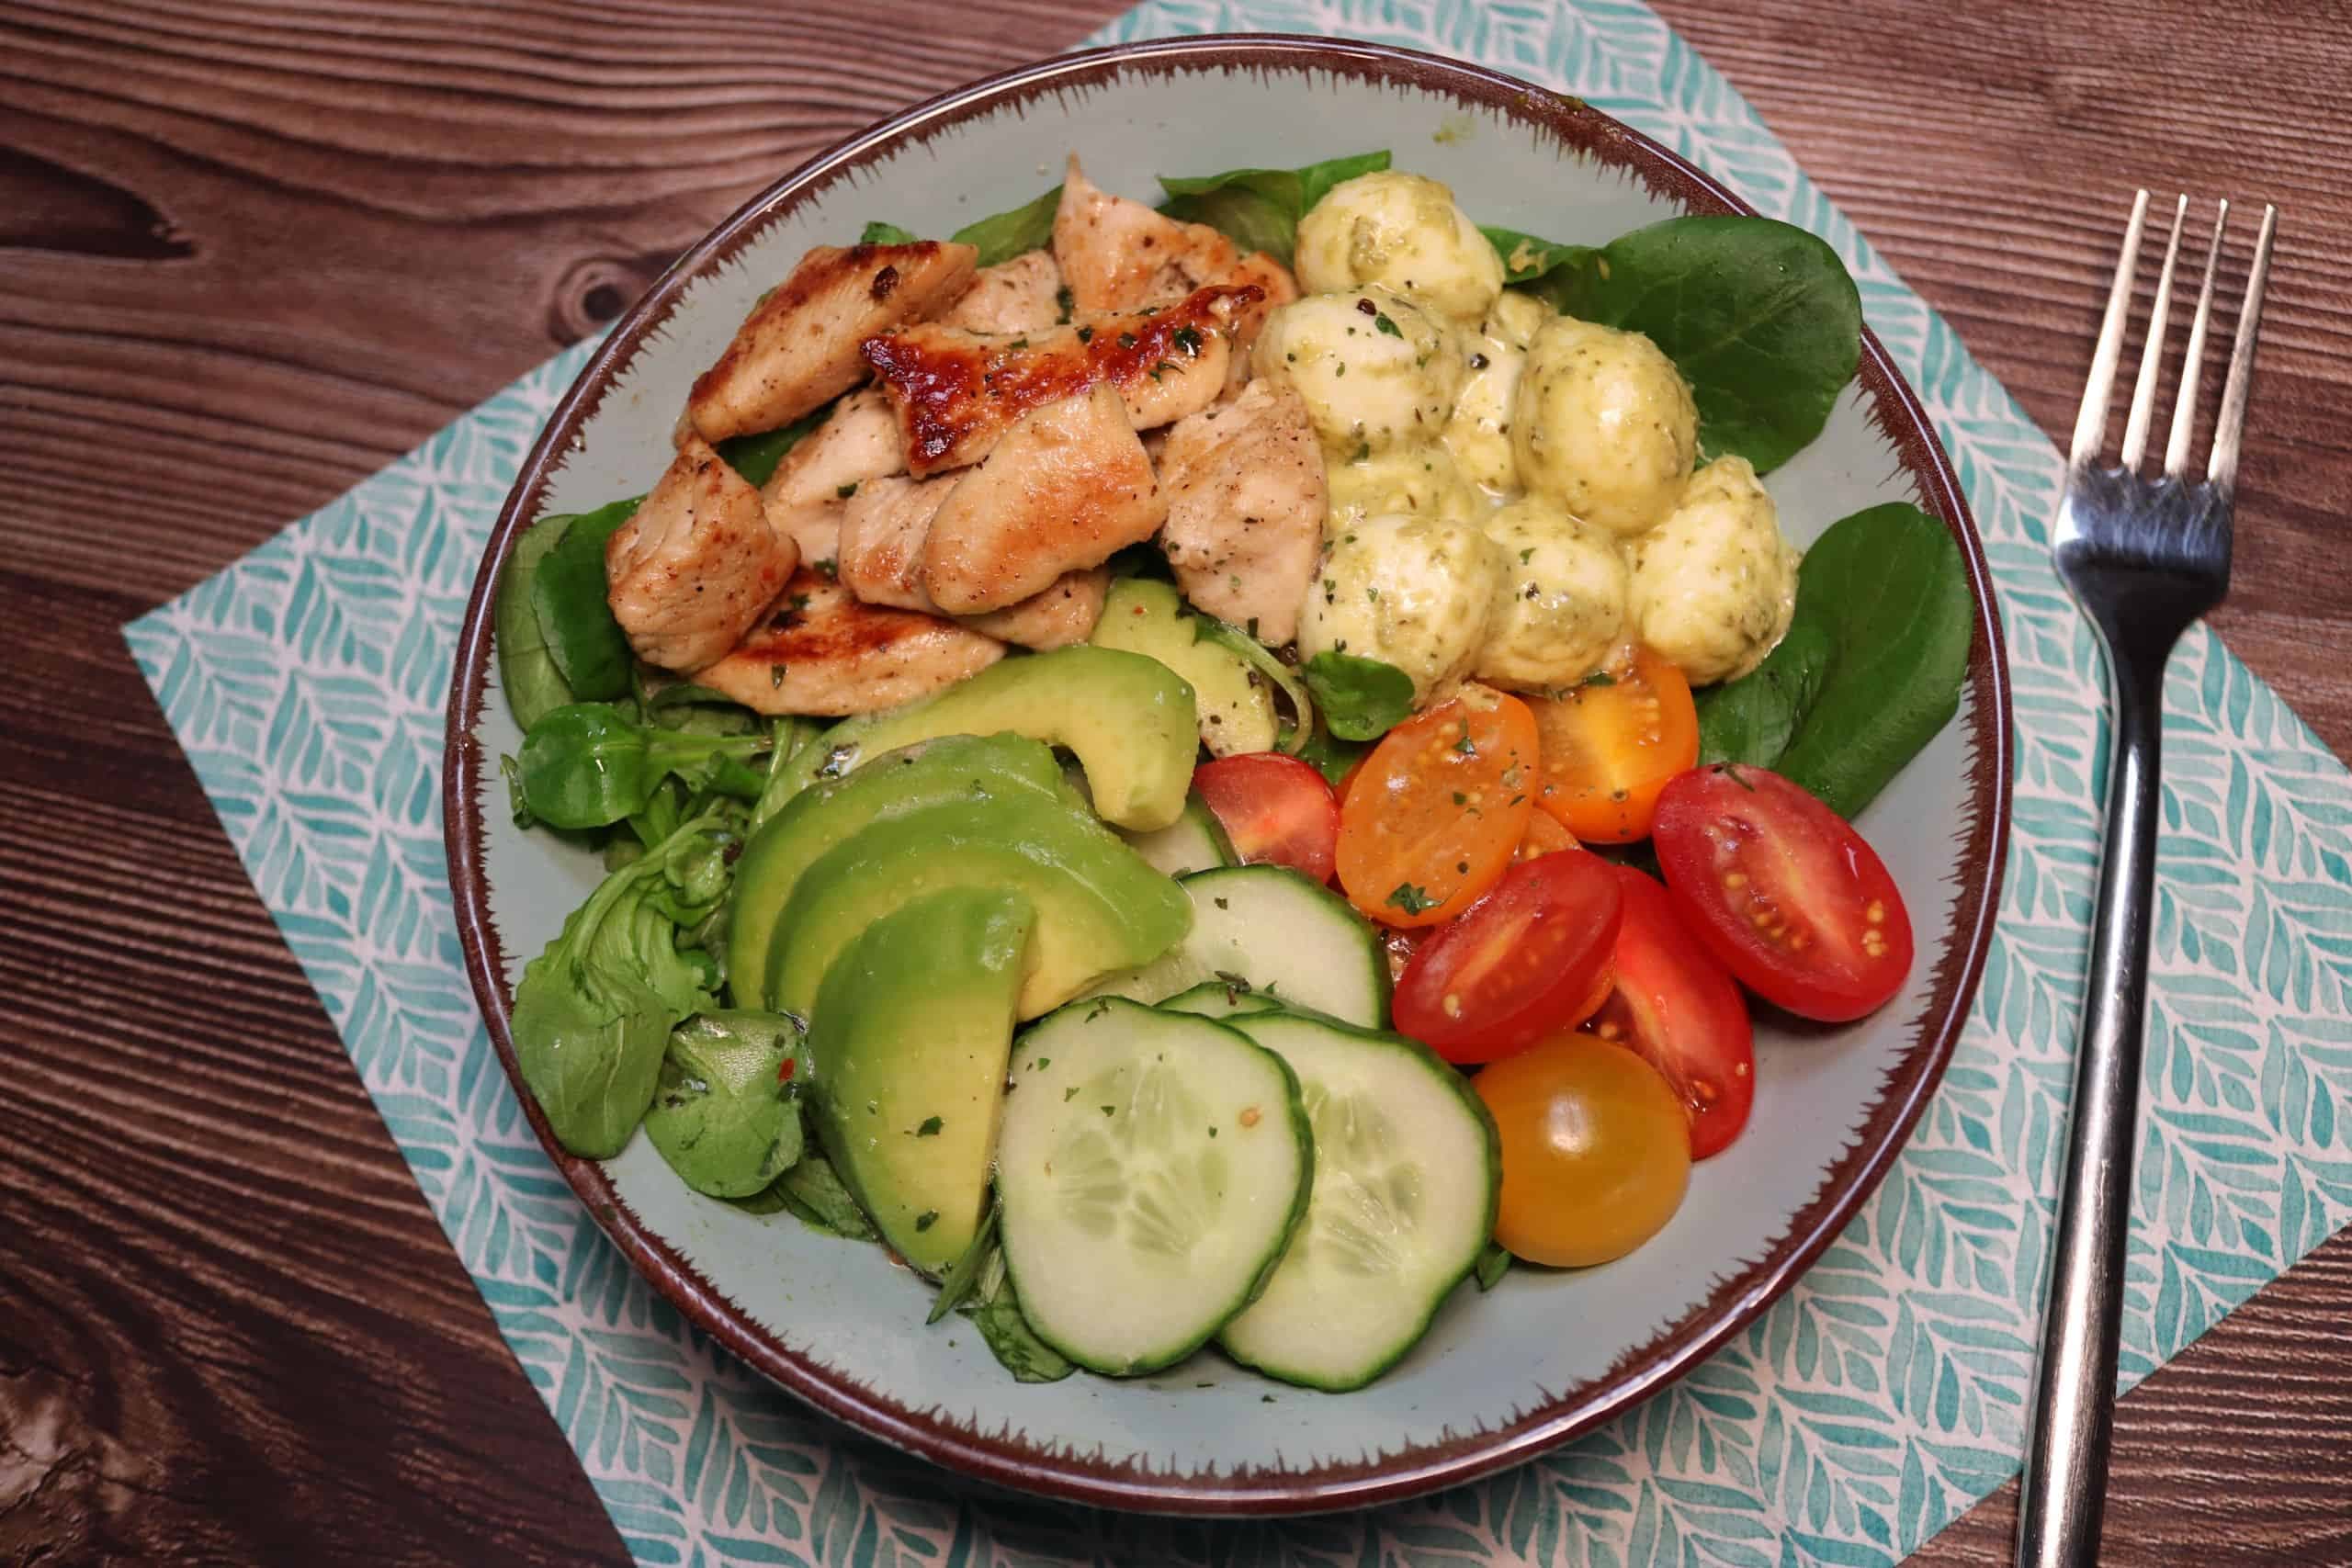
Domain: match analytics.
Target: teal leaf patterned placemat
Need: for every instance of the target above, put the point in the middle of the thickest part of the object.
(1865, 1411)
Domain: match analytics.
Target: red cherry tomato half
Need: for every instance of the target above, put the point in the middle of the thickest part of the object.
(1529, 959)
(1276, 810)
(1783, 891)
(1677, 1008)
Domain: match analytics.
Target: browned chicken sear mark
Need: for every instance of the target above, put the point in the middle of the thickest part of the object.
(956, 391)
(798, 348)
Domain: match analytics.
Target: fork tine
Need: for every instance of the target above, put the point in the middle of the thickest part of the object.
(2222, 469)
(2152, 353)
(2090, 426)
(2192, 363)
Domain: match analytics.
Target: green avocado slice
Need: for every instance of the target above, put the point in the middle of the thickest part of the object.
(1100, 907)
(1131, 721)
(908, 1079)
(933, 773)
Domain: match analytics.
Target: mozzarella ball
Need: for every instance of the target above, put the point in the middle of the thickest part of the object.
(1415, 591)
(1376, 371)
(1561, 608)
(1713, 586)
(1603, 424)
(1414, 481)
(1516, 318)
(1402, 231)
(1479, 435)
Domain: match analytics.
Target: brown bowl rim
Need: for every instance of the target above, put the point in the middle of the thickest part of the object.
(1004, 1456)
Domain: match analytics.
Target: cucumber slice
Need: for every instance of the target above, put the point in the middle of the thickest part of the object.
(1292, 939)
(1192, 842)
(1408, 1170)
(1150, 1169)
(1219, 999)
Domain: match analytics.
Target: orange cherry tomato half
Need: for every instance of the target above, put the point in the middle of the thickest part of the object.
(1432, 820)
(1276, 810)
(1595, 1161)
(1784, 891)
(1544, 836)
(1529, 959)
(1677, 1008)
(1609, 748)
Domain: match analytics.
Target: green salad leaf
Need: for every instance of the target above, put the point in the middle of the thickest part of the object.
(1361, 699)
(1026, 228)
(1540, 267)
(1494, 1262)
(575, 619)
(593, 1011)
(997, 1314)
(755, 456)
(1258, 210)
(963, 1276)
(527, 669)
(880, 233)
(817, 1197)
(590, 764)
(1872, 668)
(724, 1115)
(1332, 757)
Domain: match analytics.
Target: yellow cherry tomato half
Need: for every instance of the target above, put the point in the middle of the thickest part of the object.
(1596, 1150)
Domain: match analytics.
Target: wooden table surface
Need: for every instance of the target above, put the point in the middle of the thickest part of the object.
(252, 250)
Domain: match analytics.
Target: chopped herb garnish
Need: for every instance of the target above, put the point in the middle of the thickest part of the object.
(1127, 340)
(1224, 904)
(1108, 1110)
(930, 1127)
(927, 1219)
(1069, 1094)
(1526, 554)
(1410, 899)
(1466, 746)
(1064, 302)
(845, 492)
(1186, 338)
(1380, 318)
(1086, 334)
(1460, 798)
(776, 672)
(1600, 678)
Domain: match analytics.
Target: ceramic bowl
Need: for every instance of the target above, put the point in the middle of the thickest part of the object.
(1501, 1376)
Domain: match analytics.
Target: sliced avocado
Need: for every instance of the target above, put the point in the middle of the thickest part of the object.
(1130, 719)
(1142, 616)
(1099, 908)
(957, 767)
(908, 1079)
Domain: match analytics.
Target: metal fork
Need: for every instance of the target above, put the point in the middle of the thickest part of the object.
(2144, 559)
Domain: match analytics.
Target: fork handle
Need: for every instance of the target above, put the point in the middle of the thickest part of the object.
(2061, 1499)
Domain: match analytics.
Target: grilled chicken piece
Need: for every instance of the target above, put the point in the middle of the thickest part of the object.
(1023, 295)
(883, 530)
(823, 652)
(1064, 614)
(955, 392)
(1279, 288)
(859, 441)
(798, 348)
(814, 526)
(1118, 255)
(1066, 486)
(1246, 500)
(696, 564)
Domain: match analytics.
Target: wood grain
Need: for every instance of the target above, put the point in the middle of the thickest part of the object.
(266, 247)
